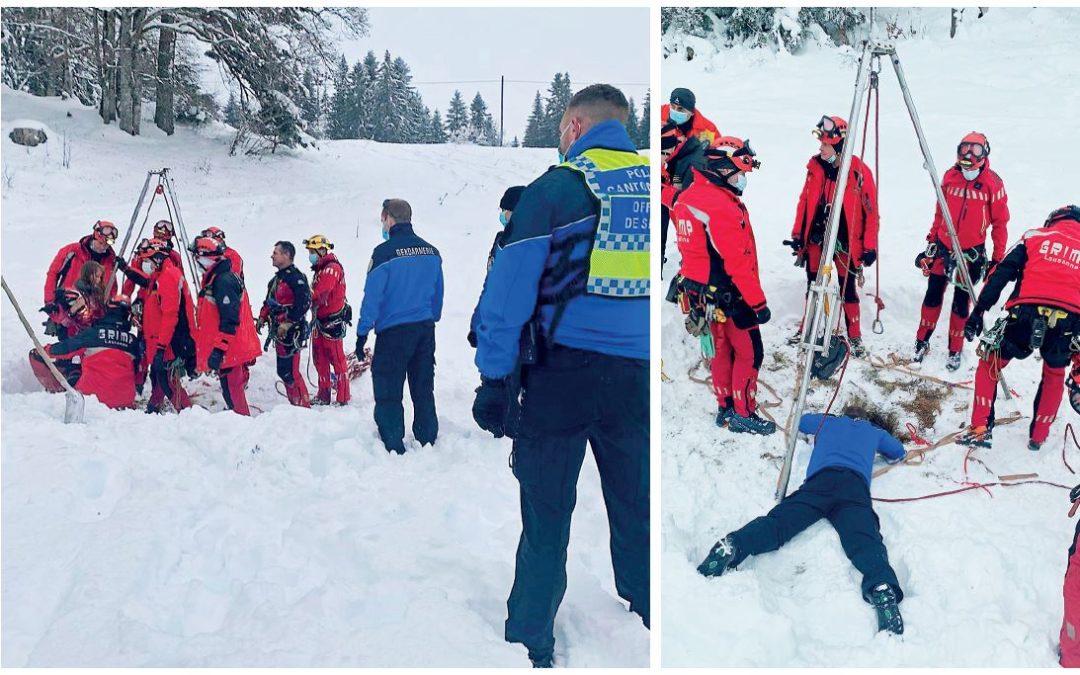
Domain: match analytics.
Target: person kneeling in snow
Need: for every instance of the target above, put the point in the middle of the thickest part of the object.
(109, 353)
(837, 487)
(1070, 622)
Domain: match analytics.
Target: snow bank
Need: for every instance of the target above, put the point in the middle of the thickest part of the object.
(291, 538)
(982, 572)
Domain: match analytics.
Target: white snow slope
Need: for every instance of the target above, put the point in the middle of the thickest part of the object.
(982, 573)
(291, 538)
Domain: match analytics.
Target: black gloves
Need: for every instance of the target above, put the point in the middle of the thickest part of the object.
(762, 314)
(489, 408)
(796, 244)
(974, 325)
(471, 337)
(216, 358)
(696, 322)
(361, 340)
(121, 264)
(868, 257)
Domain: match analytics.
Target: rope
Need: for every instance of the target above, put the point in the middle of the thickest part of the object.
(1064, 444)
(916, 456)
(967, 488)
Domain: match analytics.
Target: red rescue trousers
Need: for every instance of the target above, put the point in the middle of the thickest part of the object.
(1070, 623)
(739, 353)
(328, 352)
(233, 382)
(288, 369)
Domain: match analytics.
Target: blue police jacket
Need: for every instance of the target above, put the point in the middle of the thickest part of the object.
(404, 282)
(555, 208)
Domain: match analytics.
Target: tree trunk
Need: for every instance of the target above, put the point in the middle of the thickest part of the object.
(137, 26)
(106, 63)
(164, 114)
(125, 79)
(954, 22)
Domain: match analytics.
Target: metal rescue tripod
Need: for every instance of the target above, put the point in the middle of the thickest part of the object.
(823, 306)
(167, 190)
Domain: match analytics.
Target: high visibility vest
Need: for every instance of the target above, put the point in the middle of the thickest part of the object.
(619, 261)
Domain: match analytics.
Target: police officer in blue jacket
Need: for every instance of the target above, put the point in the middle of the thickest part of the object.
(837, 488)
(403, 298)
(574, 260)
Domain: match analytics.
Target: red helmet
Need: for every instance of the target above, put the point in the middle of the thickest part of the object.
(972, 151)
(215, 232)
(158, 249)
(163, 229)
(207, 246)
(105, 231)
(830, 129)
(1068, 212)
(729, 154)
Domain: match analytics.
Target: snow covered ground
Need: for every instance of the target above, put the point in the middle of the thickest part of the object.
(291, 538)
(982, 573)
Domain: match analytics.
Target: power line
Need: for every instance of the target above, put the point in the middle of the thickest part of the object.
(620, 84)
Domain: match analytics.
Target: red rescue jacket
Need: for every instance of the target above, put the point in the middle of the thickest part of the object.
(168, 313)
(224, 319)
(68, 263)
(975, 206)
(860, 205)
(237, 261)
(716, 241)
(1045, 264)
(328, 287)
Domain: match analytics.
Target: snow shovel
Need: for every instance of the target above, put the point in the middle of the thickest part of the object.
(74, 404)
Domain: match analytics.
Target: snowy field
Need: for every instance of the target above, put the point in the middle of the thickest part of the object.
(291, 538)
(982, 572)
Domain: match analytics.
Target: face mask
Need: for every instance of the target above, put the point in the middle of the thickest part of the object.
(832, 160)
(740, 182)
(147, 267)
(970, 175)
(562, 155)
(313, 257)
(206, 262)
(385, 235)
(503, 219)
(678, 117)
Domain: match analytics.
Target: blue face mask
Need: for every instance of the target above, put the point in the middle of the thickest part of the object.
(970, 175)
(313, 257)
(678, 117)
(503, 219)
(385, 235)
(740, 182)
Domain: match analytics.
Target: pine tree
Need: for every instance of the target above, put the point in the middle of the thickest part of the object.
(481, 125)
(559, 95)
(438, 132)
(534, 128)
(232, 111)
(632, 128)
(341, 111)
(363, 76)
(514, 143)
(646, 122)
(457, 119)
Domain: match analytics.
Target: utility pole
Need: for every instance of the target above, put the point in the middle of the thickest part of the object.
(502, 93)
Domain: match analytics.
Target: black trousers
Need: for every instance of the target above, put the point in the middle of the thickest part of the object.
(843, 497)
(406, 351)
(573, 398)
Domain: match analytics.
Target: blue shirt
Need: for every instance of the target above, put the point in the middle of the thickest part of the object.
(849, 443)
(404, 282)
(553, 209)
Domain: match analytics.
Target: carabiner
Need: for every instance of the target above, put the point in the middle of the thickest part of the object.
(877, 327)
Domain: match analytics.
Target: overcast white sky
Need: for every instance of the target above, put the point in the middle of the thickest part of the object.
(532, 44)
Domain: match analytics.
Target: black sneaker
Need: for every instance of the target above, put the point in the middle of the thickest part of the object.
(751, 424)
(953, 362)
(857, 348)
(977, 437)
(722, 416)
(796, 338)
(1034, 446)
(920, 351)
(542, 660)
(719, 559)
(883, 599)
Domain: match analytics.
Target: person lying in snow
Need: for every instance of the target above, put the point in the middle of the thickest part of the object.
(837, 487)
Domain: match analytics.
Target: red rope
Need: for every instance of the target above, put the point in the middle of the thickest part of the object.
(913, 432)
(967, 488)
(1064, 444)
